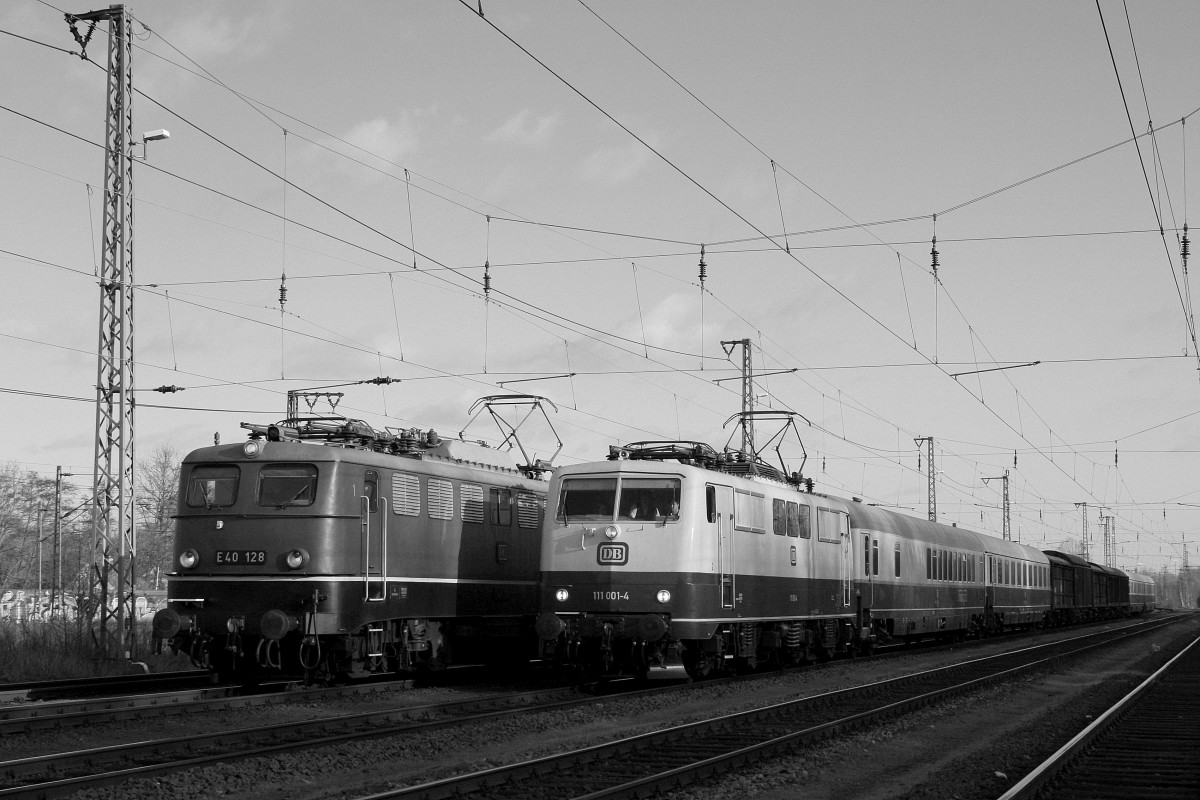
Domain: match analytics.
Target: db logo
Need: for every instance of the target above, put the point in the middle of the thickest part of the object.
(614, 554)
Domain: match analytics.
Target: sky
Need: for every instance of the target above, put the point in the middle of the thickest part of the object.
(519, 200)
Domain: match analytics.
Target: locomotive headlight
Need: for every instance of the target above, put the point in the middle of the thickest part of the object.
(663, 596)
(252, 448)
(189, 559)
(561, 595)
(296, 558)
(611, 531)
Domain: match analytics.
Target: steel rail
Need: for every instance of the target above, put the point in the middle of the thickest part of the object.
(43, 775)
(1164, 707)
(669, 758)
(46, 771)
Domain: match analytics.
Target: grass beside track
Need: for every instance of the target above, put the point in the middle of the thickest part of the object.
(61, 648)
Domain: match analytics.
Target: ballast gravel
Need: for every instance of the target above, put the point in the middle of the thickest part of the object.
(974, 747)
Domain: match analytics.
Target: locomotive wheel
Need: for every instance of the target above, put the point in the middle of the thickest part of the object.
(696, 662)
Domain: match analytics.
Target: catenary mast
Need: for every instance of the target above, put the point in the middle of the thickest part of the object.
(114, 537)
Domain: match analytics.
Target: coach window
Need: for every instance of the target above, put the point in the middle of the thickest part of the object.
(283, 485)
(928, 564)
(874, 556)
(867, 554)
(502, 501)
(213, 487)
(897, 559)
(590, 499)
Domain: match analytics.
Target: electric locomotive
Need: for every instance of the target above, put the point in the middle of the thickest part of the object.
(322, 546)
(671, 549)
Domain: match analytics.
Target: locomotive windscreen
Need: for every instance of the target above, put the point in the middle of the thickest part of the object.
(649, 498)
(587, 498)
(212, 486)
(598, 499)
(283, 485)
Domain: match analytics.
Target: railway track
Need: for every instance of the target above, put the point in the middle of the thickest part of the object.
(1146, 746)
(639, 766)
(61, 774)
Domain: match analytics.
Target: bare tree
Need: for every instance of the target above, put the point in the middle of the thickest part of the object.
(158, 489)
(25, 497)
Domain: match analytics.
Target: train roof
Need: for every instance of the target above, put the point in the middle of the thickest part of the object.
(451, 451)
(1070, 558)
(867, 516)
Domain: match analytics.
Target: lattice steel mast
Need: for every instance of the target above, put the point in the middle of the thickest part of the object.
(114, 537)
(932, 475)
(1006, 531)
(747, 391)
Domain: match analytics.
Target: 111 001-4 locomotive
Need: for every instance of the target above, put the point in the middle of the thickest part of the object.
(673, 550)
(324, 547)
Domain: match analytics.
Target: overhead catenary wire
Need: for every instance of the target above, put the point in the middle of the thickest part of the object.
(415, 256)
(710, 194)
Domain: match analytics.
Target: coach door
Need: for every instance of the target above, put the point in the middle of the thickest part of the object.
(719, 504)
(373, 521)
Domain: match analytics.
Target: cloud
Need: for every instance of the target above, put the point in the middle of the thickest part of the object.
(391, 141)
(616, 165)
(522, 128)
(207, 35)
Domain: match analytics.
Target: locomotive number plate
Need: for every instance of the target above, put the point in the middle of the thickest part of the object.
(241, 556)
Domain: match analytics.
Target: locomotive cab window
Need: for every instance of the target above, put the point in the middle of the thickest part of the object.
(371, 489)
(284, 485)
(213, 487)
(633, 499)
(587, 499)
(649, 499)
